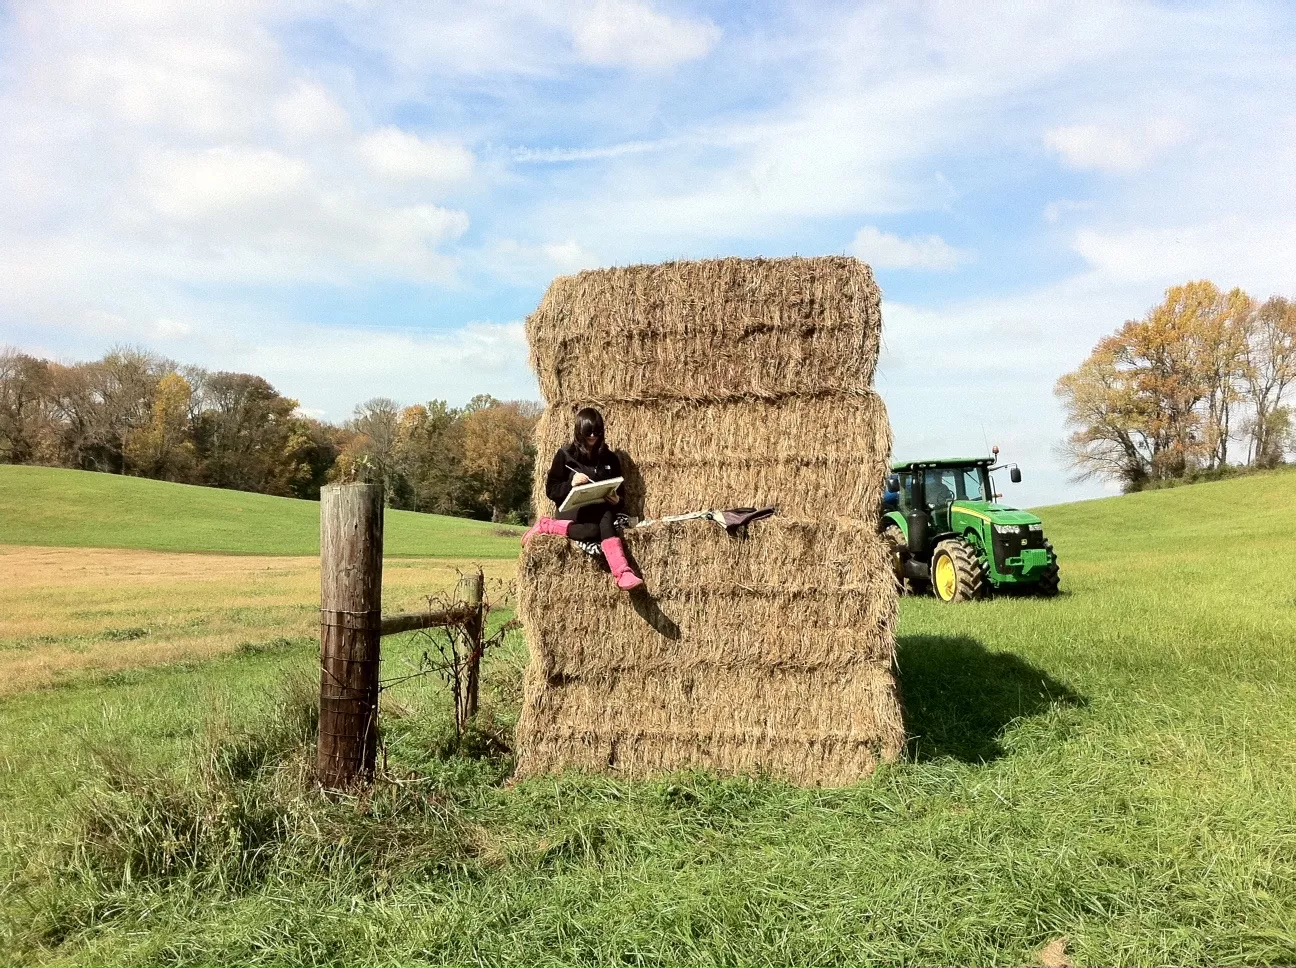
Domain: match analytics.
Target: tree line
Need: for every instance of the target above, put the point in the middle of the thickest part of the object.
(134, 412)
(1167, 397)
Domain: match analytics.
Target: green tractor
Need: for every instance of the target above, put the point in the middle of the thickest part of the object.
(946, 531)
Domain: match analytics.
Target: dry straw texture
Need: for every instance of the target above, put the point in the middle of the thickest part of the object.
(767, 654)
(734, 329)
(738, 382)
(799, 454)
(792, 595)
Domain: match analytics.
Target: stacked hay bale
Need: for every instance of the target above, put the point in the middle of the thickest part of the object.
(728, 383)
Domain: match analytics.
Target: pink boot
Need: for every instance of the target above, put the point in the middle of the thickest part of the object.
(545, 526)
(614, 552)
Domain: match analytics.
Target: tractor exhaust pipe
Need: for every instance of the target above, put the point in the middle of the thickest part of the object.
(917, 521)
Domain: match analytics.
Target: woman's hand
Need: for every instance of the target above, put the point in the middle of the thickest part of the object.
(580, 479)
(613, 498)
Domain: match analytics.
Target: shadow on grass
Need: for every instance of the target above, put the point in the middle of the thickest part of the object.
(959, 697)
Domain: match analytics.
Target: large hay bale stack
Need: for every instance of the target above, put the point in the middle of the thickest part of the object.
(735, 382)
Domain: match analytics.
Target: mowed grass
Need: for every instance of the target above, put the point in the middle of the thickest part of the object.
(69, 612)
(64, 508)
(1111, 774)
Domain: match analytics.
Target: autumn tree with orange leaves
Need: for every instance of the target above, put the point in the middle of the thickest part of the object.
(1161, 398)
(498, 451)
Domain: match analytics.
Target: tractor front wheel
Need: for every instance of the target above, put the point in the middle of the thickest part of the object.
(957, 572)
(1047, 586)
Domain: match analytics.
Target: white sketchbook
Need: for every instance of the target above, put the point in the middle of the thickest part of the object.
(591, 493)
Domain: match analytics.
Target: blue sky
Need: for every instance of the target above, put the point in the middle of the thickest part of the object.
(356, 198)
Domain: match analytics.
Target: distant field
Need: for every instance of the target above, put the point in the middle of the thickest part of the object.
(56, 507)
(1106, 778)
(69, 612)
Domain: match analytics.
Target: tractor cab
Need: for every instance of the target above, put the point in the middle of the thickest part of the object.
(947, 531)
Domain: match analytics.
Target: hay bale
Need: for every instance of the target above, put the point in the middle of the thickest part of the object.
(819, 732)
(736, 382)
(807, 456)
(771, 654)
(793, 595)
(703, 331)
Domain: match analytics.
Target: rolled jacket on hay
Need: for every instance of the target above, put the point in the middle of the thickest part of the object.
(728, 383)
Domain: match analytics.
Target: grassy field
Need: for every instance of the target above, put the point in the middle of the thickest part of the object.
(52, 506)
(1111, 775)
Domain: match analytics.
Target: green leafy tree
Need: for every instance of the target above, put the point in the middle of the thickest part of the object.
(429, 450)
(318, 446)
(248, 436)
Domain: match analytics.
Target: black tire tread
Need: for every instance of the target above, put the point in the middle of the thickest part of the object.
(1051, 580)
(970, 571)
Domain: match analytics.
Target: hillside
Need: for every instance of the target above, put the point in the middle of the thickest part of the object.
(1260, 506)
(65, 508)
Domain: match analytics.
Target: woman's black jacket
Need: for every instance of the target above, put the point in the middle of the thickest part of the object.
(601, 466)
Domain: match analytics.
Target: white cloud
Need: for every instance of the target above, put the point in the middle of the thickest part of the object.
(535, 264)
(1253, 253)
(617, 33)
(873, 98)
(327, 369)
(1115, 149)
(191, 68)
(171, 328)
(224, 184)
(256, 215)
(886, 251)
(520, 39)
(561, 155)
(569, 256)
(304, 234)
(308, 111)
(409, 366)
(405, 156)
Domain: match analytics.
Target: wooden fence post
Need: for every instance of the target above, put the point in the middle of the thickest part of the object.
(351, 545)
(472, 592)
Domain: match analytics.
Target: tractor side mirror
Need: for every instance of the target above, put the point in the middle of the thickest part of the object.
(893, 483)
(1014, 475)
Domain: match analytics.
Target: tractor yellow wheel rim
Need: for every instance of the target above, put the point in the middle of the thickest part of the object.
(946, 579)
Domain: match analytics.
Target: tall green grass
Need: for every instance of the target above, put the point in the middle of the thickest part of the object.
(1116, 767)
(53, 506)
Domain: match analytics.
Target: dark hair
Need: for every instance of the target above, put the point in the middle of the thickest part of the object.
(588, 421)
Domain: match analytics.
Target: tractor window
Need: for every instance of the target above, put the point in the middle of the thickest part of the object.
(940, 485)
(971, 488)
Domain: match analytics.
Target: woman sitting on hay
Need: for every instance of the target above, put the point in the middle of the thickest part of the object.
(585, 460)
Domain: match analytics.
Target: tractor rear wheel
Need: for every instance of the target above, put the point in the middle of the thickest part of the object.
(957, 572)
(897, 546)
(1047, 586)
